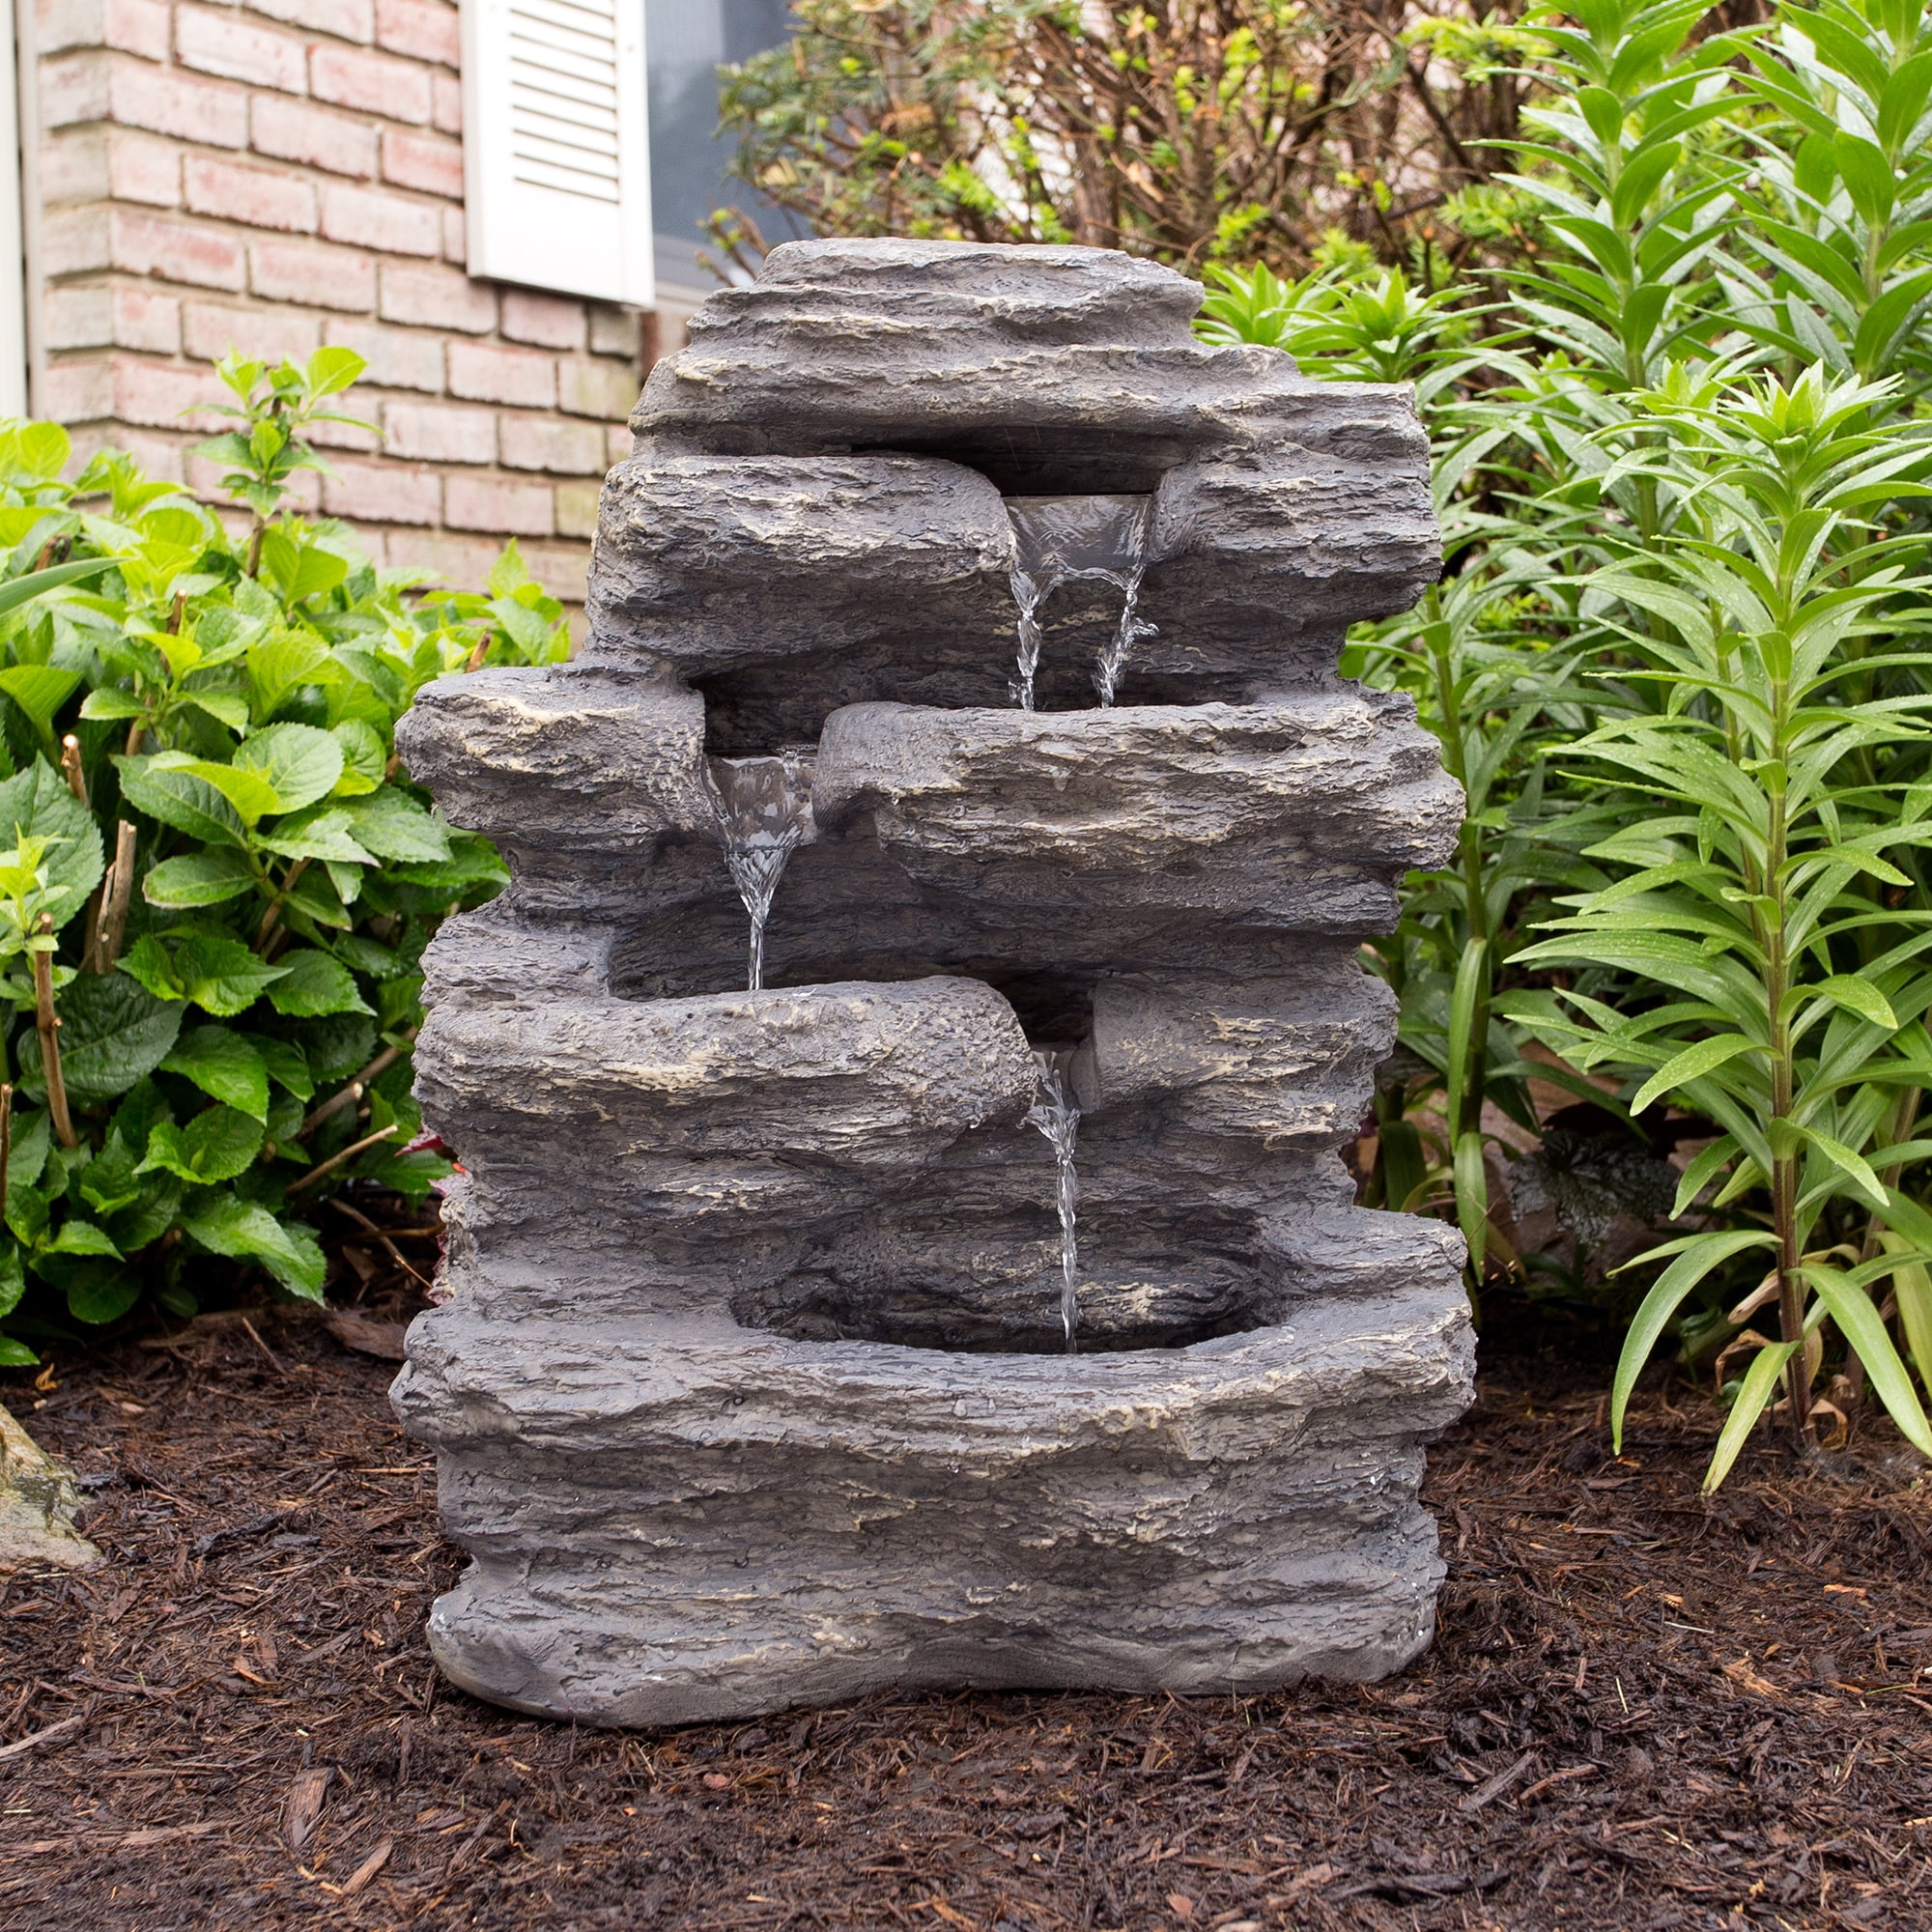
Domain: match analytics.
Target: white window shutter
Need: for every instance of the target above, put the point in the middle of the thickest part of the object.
(556, 149)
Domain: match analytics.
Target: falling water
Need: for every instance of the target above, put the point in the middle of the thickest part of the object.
(763, 812)
(1057, 539)
(1055, 1116)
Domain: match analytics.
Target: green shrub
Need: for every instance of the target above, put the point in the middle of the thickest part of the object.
(216, 883)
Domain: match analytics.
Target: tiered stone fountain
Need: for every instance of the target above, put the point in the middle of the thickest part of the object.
(759, 1383)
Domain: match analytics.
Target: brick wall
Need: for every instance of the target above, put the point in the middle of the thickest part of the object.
(289, 172)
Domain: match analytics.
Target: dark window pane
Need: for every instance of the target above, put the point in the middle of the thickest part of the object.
(684, 42)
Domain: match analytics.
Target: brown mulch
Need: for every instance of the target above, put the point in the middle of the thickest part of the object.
(1643, 1711)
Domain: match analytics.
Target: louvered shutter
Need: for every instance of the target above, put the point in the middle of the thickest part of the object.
(556, 154)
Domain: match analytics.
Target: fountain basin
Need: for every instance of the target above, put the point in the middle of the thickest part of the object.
(1224, 1517)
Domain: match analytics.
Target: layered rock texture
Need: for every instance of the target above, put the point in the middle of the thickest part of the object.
(753, 1388)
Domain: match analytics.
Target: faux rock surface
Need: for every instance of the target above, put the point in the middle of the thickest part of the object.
(751, 1389)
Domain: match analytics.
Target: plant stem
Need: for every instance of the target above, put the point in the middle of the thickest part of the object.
(76, 780)
(47, 1022)
(335, 1160)
(6, 1143)
(116, 890)
(273, 917)
(355, 1088)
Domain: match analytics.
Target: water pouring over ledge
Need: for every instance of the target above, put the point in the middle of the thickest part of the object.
(762, 808)
(1054, 1115)
(1059, 539)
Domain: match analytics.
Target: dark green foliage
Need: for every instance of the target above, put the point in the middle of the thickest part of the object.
(223, 712)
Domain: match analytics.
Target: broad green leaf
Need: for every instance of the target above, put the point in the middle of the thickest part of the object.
(16, 1355)
(247, 792)
(1696, 1254)
(1760, 1384)
(180, 798)
(394, 826)
(319, 833)
(287, 1064)
(82, 1237)
(112, 1033)
(280, 666)
(1692, 1064)
(198, 879)
(39, 691)
(365, 758)
(300, 762)
(12, 1280)
(98, 1294)
(1472, 1198)
(227, 1226)
(216, 1145)
(108, 702)
(316, 984)
(224, 1067)
(37, 804)
(220, 975)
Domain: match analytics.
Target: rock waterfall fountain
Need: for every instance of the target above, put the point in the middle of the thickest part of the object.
(755, 1387)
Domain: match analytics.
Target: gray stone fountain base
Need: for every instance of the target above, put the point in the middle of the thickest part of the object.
(1233, 1515)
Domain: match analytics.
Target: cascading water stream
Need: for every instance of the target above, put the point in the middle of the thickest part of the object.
(1059, 539)
(763, 812)
(1054, 1115)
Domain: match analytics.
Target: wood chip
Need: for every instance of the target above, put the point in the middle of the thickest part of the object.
(303, 1805)
(40, 1736)
(1488, 1792)
(381, 1338)
(368, 1869)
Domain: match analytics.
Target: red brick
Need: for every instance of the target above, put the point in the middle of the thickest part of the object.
(447, 110)
(159, 456)
(423, 29)
(455, 238)
(544, 442)
(132, 26)
(398, 358)
(437, 299)
(223, 43)
(292, 131)
(383, 492)
(588, 385)
(613, 331)
(551, 322)
(577, 509)
(372, 219)
(164, 395)
(77, 391)
(112, 87)
(489, 373)
(424, 161)
(109, 237)
(314, 272)
(102, 163)
(374, 83)
(120, 315)
(364, 407)
(258, 197)
(76, 89)
(439, 434)
(346, 19)
(620, 444)
(563, 571)
(210, 329)
(461, 563)
(488, 504)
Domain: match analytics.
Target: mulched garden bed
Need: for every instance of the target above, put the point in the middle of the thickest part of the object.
(1643, 1711)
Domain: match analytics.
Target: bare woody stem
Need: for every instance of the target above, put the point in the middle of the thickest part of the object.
(49, 1024)
(76, 780)
(273, 917)
(355, 1088)
(337, 1160)
(109, 923)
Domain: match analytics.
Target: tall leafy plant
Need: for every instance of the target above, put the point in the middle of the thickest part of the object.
(215, 879)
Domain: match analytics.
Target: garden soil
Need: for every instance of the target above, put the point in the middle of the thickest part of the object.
(1644, 1709)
